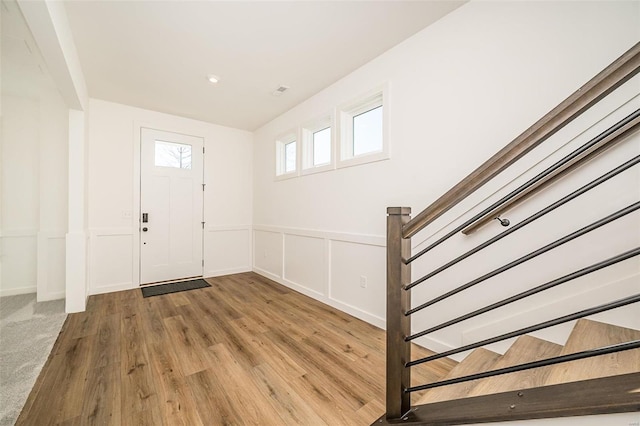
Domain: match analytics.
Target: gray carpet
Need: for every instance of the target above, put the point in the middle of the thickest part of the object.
(28, 331)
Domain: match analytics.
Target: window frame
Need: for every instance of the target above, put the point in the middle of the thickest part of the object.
(347, 112)
(168, 144)
(282, 141)
(312, 127)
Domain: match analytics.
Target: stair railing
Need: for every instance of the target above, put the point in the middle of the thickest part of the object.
(614, 394)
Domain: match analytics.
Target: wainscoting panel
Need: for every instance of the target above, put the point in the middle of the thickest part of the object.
(19, 262)
(51, 259)
(358, 276)
(111, 260)
(326, 266)
(305, 262)
(227, 250)
(355, 265)
(267, 253)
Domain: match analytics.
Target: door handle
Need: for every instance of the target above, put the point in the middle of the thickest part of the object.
(145, 229)
(145, 217)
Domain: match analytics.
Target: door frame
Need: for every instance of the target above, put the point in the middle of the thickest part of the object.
(137, 173)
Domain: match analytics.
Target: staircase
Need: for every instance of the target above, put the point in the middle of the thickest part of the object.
(586, 334)
(575, 217)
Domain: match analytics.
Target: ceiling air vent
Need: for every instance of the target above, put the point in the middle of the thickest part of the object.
(280, 90)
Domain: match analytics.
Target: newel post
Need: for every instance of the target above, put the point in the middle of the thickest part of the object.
(398, 302)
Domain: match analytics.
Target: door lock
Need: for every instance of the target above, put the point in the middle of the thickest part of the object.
(145, 229)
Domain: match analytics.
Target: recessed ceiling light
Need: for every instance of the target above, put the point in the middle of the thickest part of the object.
(213, 79)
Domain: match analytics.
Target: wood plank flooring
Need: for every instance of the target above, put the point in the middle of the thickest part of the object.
(244, 351)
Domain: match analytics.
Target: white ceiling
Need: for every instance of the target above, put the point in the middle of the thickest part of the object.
(157, 54)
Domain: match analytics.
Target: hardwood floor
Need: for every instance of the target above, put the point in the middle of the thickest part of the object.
(244, 351)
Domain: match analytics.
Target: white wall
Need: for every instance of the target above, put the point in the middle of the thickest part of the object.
(113, 176)
(34, 195)
(608, 284)
(40, 66)
(20, 194)
(458, 91)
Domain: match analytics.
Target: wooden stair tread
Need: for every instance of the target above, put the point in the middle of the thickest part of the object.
(435, 371)
(589, 334)
(428, 372)
(479, 360)
(524, 349)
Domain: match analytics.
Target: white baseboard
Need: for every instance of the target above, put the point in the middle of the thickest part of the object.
(425, 342)
(358, 313)
(314, 294)
(267, 274)
(17, 291)
(111, 288)
(221, 272)
(57, 295)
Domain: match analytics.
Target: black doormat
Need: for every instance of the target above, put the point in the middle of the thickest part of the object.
(157, 290)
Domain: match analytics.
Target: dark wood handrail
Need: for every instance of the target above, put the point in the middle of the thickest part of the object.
(612, 77)
(597, 150)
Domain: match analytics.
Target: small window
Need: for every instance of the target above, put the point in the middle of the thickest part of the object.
(287, 155)
(290, 157)
(322, 147)
(171, 154)
(317, 145)
(363, 130)
(367, 132)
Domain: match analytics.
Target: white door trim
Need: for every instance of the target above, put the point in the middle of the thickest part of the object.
(137, 141)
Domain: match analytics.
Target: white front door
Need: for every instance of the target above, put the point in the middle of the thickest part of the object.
(171, 194)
